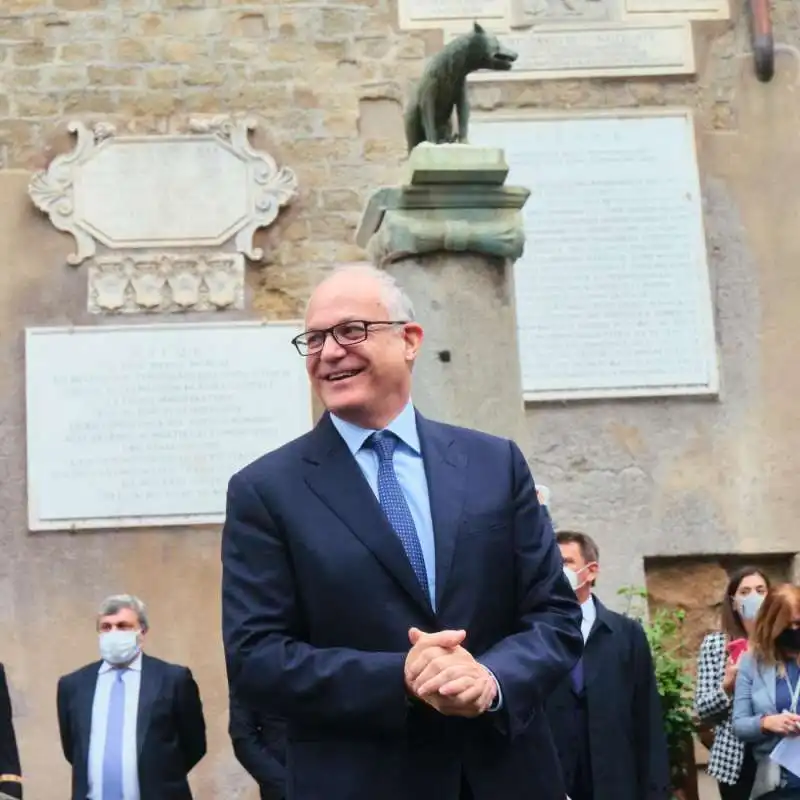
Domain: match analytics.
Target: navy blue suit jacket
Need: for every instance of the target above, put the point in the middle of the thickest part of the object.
(170, 728)
(318, 596)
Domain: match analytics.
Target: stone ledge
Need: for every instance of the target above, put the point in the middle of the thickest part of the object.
(456, 164)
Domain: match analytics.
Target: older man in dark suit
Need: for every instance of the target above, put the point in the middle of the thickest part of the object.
(391, 586)
(131, 725)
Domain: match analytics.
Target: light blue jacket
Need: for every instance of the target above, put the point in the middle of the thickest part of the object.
(753, 699)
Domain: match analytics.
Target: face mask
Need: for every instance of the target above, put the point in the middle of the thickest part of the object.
(749, 605)
(572, 576)
(789, 640)
(119, 647)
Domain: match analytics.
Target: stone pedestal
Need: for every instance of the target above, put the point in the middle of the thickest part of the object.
(450, 235)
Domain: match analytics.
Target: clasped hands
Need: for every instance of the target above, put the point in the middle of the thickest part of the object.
(441, 673)
(784, 724)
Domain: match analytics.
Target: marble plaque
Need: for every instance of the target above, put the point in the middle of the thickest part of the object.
(683, 9)
(166, 282)
(526, 13)
(427, 14)
(596, 50)
(143, 425)
(198, 189)
(613, 292)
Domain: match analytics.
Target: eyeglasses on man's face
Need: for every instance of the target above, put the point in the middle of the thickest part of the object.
(345, 334)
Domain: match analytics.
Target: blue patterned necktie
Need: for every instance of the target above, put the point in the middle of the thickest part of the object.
(394, 504)
(112, 757)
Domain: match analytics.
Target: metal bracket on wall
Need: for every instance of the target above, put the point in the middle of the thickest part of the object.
(760, 22)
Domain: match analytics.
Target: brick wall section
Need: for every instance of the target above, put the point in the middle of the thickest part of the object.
(326, 79)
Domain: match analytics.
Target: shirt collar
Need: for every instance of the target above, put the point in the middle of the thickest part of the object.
(589, 610)
(135, 665)
(404, 426)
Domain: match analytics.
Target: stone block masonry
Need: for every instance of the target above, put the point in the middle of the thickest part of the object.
(307, 71)
(326, 80)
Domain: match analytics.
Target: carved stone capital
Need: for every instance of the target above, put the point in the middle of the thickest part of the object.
(408, 220)
(490, 232)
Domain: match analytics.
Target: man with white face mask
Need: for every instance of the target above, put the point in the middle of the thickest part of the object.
(131, 725)
(606, 716)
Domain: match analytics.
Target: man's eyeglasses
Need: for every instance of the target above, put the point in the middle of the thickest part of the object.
(344, 334)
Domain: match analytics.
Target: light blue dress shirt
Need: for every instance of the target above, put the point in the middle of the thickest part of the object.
(410, 469)
(589, 611)
(97, 740)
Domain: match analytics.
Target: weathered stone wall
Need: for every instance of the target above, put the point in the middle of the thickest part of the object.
(696, 585)
(325, 80)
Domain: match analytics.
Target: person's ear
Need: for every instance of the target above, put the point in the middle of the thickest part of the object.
(413, 336)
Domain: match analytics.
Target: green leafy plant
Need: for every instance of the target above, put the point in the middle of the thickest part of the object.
(664, 630)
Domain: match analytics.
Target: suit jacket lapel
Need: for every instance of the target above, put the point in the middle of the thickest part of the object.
(335, 477)
(149, 689)
(600, 629)
(769, 676)
(85, 703)
(445, 468)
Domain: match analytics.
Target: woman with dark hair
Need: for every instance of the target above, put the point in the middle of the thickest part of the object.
(765, 704)
(730, 762)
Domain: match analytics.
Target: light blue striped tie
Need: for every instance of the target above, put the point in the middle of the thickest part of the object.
(394, 504)
(112, 757)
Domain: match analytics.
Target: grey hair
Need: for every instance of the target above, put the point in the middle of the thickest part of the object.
(117, 602)
(398, 303)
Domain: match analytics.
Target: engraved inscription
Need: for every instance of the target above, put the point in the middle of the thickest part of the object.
(453, 9)
(525, 13)
(598, 50)
(149, 422)
(688, 9)
(613, 293)
(431, 13)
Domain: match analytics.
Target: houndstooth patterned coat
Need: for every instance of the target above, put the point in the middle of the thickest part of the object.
(712, 706)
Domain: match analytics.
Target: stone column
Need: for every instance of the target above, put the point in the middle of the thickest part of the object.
(450, 235)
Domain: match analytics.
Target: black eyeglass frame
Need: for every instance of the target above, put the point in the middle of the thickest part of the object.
(368, 324)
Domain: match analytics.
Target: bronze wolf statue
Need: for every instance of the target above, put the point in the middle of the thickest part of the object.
(443, 87)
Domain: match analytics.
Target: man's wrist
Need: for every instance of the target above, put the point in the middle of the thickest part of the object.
(497, 702)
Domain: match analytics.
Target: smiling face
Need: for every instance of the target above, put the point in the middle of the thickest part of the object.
(367, 383)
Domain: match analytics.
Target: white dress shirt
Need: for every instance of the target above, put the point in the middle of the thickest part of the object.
(97, 742)
(589, 610)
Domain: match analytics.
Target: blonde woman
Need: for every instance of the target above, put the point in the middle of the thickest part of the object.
(765, 704)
